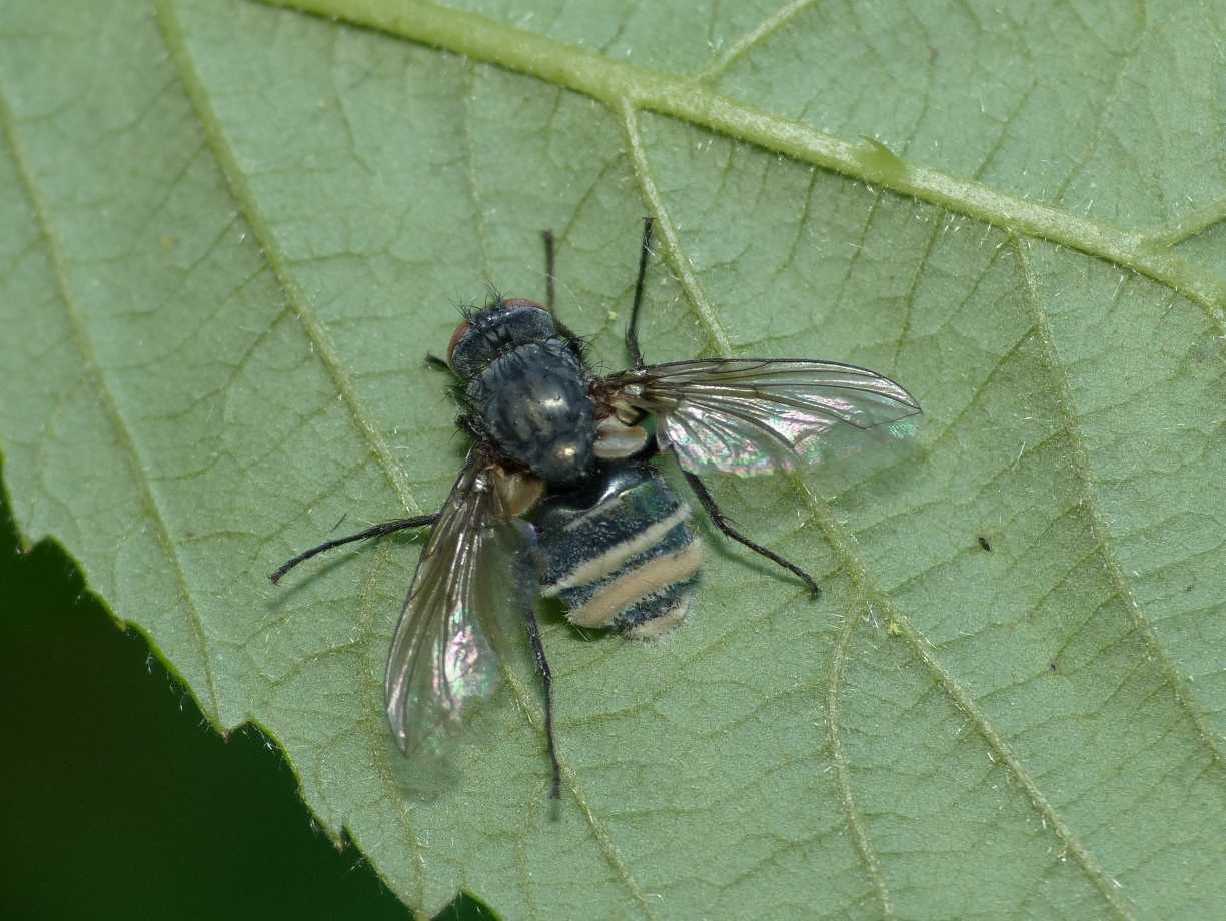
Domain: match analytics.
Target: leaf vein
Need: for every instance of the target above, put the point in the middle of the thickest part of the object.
(753, 37)
(842, 544)
(1099, 531)
(719, 336)
(617, 83)
(362, 419)
(864, 846)
(211, 706)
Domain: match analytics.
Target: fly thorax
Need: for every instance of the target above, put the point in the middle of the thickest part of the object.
(535, 408)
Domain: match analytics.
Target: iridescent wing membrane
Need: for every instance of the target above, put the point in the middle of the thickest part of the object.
(473, 576)
(749, 416)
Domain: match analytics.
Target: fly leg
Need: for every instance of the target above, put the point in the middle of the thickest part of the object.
(550, 284)
(721, 522)
(542, 666)
(387, 527)
(547, 237)
(632, 331)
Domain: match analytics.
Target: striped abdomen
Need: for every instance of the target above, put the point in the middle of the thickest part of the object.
(621, 554)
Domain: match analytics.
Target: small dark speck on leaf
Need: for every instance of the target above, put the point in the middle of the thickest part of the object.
(984, 544)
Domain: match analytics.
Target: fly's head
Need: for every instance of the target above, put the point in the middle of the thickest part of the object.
(494, 330)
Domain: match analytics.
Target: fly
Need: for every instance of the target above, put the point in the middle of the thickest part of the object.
(557, 496)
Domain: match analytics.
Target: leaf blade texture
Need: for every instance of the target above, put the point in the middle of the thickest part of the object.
(231, 232)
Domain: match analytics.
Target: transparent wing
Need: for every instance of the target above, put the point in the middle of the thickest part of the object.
(748, 416)
(471, 577)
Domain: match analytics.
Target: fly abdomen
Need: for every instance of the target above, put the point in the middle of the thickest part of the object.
(622, 554)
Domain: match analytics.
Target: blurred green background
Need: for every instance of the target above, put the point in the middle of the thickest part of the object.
(121, 802)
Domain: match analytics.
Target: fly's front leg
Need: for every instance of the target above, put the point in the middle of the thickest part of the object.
(721, 522)
(632, 331)
(387, 527)
(550, 286)
(547, 237)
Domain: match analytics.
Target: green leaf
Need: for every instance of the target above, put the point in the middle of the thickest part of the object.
(138, 801)
(230, 232)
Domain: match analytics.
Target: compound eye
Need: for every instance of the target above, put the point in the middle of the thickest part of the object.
(455, 339)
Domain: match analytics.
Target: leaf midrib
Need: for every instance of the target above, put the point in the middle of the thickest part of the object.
(689, 99)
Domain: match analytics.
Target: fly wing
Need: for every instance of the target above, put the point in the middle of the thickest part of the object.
(470, 576)
(749, 416)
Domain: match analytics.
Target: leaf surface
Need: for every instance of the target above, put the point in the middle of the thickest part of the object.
(231, 231)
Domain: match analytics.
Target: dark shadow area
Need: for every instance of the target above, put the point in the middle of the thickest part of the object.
(121, 802)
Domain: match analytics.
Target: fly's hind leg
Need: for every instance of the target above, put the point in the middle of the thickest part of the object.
(542, 667)
(720, 521)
